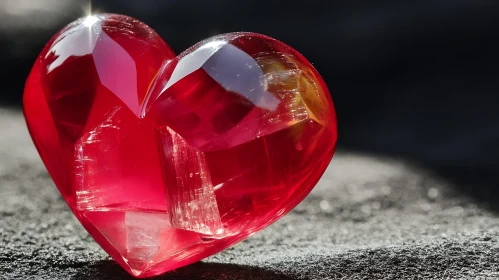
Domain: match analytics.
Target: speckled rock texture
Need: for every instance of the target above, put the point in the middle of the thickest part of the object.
(370, 217)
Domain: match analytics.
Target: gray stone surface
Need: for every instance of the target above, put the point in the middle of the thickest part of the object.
(368, 218)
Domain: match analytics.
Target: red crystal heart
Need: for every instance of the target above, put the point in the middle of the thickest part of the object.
(168, 159)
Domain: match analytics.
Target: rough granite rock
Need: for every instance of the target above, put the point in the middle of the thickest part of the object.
(368, 218)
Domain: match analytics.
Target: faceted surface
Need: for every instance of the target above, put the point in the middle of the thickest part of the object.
(168, 159)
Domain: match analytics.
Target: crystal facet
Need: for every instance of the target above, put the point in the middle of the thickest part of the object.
(168, 159)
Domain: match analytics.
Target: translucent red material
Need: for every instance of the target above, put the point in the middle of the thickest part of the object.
(168, 159)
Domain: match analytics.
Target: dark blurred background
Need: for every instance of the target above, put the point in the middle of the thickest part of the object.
(416, 79)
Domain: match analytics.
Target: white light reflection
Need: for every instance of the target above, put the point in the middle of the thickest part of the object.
(90, 20)
(229, 66)
(193, 62)
(79, 40)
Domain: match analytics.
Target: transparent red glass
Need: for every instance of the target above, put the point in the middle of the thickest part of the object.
(168, 159)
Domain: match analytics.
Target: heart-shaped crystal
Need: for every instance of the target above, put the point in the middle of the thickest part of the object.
(168, 159)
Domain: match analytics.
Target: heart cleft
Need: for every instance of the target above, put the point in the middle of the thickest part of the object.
(166, 159)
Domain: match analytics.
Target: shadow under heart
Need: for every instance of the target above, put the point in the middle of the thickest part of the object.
(109, 270)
